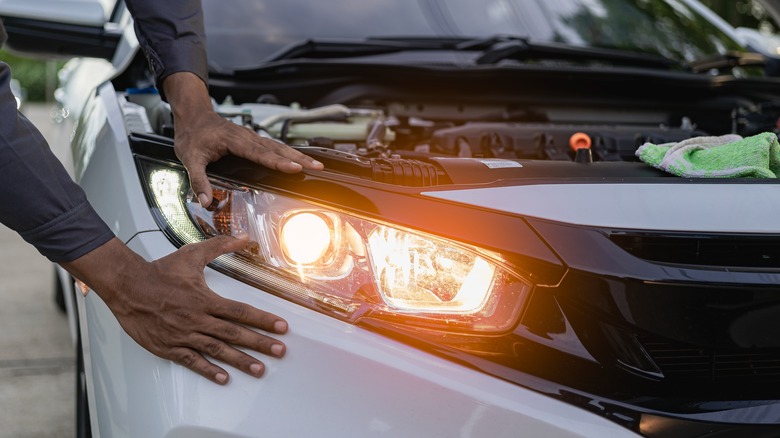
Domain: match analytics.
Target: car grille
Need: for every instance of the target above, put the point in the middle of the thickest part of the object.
(680, 362)
(761, 252)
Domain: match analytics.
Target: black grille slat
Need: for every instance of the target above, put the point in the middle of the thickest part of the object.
(727, 251)
(679, 361)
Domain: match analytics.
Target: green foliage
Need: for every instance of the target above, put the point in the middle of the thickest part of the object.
(32, 74)
(744, 13)
(660, 27)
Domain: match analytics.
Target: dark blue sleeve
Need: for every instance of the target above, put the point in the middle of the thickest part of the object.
(172, 36)
(40, 201)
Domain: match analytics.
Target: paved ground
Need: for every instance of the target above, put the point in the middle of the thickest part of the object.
(37, 362)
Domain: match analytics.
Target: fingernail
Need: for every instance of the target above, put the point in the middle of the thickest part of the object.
(221, 377)
(317, 163)
(277, 349)
(296, 166)
(280, 327)
(256, 369)
(204, 200)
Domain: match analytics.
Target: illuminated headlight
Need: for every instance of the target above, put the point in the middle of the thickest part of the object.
(342, 264)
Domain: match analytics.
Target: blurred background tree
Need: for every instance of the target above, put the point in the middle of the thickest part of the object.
(744, 13)
(38, 77)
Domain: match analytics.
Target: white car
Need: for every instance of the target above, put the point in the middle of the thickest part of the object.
(458, 269)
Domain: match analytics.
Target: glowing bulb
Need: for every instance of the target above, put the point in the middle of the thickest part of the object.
(305, 237)
(476, 286)
(424, 274)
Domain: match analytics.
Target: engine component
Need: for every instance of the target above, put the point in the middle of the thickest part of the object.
(551, 141)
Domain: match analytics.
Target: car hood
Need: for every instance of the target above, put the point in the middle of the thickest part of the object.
(683, 205)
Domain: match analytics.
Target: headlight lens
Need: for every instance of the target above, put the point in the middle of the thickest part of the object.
(306, 238)
(421, 273)
(337, 262)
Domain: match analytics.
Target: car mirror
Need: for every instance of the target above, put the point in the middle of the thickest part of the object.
(60, 27)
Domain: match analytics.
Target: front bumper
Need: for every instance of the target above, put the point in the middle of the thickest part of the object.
(336, 380)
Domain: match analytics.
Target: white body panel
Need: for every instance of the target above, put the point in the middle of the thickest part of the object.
(81, 12)
(107, 170)
(336, 380)
(742, 208)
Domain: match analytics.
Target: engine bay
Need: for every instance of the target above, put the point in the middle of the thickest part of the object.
(431, 144)
(419, 132)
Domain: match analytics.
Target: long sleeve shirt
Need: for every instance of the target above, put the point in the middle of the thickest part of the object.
(172, 36)
(39, 200)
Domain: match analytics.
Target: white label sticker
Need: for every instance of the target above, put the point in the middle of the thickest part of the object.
(497, 163)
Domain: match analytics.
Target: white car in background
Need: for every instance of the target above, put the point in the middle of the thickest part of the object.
(457, 269)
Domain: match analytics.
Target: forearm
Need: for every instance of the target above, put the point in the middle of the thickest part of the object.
(171, 34)
(188, 96)
(108, 269)
(40, 201)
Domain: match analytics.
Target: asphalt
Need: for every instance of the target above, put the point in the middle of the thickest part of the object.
(37, 362)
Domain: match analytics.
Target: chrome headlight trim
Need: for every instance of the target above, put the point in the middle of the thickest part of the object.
(359, 267)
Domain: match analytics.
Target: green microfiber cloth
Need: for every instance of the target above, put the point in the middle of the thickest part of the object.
(727, 156)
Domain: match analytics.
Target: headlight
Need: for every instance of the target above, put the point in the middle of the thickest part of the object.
(340, 263)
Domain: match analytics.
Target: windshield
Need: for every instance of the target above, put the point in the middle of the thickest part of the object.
(242, 33)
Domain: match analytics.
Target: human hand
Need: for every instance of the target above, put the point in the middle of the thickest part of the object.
(202, 137)
(168, 309)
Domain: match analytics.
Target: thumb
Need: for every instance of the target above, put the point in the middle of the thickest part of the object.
(219, 245)
(200, 183)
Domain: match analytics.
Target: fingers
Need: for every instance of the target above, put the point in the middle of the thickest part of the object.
(194, 361)
(250, 316)
(223, 352)
(199, 183)
(246, 144)
(234, 311)
(219, 345)
(227, 312)
(297, 160)
(167, 307)
(212, 248)
(201, 142)
(235, 334)
(219, 340)
(274, 155)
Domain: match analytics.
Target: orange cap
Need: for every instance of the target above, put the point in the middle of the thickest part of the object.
(579, 140)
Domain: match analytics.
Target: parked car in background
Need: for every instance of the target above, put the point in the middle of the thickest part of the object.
(461, 267)
(20, 94)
